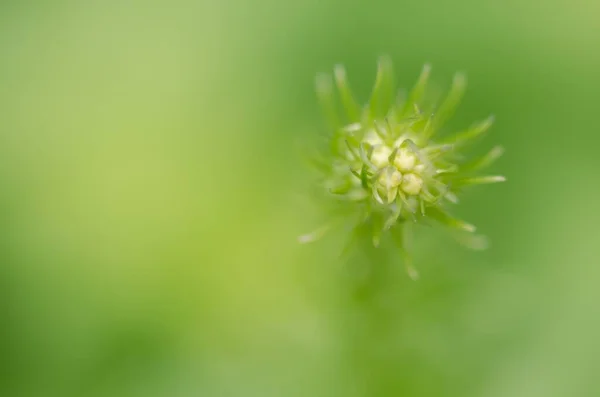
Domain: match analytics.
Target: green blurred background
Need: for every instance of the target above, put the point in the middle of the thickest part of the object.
(151, 193)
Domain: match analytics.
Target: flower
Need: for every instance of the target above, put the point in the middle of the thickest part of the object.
(387, 163)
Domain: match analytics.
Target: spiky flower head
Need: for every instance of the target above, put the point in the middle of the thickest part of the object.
(387, 163)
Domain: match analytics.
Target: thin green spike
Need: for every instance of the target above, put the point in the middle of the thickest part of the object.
(376, 195)
(417, 110)
(392, 155)
(465, 137)
(477, 242)
(484, 161)
(421, 124)
(357, 195)
(400, 99)
(353, 127)
(353, 149)
(391, 194)
(390, 130)
(381, 132)
(427, 196)
(393, 218)
(341, 189)
(383, 91)
(365, 155)
(314, 235)
(435, 151)
(406, 205)
(350, 105)
(448, 220)
(448, 107)
(428, 127)
(450, 169)
(480, 180)
(377, 222)
(364, 177)
(418, 91)
(326, 99)
(451, 197)
(403, 237)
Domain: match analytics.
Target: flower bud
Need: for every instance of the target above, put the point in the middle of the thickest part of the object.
(388, 160)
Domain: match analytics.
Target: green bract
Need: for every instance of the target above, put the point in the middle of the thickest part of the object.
(386, 163)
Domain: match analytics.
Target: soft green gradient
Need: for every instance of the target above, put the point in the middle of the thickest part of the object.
(151, 193)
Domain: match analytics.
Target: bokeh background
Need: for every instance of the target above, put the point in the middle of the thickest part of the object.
(151, 192)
